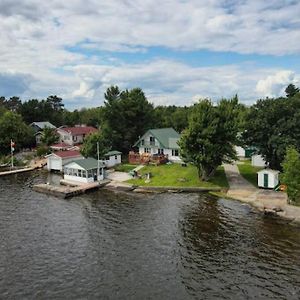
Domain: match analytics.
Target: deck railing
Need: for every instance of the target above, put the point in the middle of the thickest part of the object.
(146, 158)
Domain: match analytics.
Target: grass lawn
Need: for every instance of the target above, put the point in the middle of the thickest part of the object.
(125, 167)
(178, 176)
(249, 172)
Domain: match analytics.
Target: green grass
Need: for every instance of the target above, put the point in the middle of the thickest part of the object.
(178, 176)
(125, 167)
(249, 172)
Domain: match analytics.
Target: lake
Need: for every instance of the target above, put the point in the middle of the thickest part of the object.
(107, 245)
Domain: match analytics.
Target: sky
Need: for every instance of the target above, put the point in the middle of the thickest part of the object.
(177, 51)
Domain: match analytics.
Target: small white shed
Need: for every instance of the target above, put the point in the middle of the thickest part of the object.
(112, 158)
(84, 170)
(240, 152)
(267, 178)
(258, 161)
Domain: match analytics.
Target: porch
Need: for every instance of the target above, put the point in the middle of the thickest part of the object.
(146, 158)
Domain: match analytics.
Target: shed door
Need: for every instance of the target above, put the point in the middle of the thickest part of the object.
(266, 180)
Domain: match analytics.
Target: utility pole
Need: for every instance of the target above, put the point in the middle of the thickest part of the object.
(12, 144)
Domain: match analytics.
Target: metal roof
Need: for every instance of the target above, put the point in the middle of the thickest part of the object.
(88, 163)
(42, 125)
(167, 137)
(113, 152)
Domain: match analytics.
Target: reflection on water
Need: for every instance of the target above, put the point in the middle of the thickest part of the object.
(120, 246)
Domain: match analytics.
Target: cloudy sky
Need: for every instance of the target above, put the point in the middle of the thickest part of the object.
(177, 51)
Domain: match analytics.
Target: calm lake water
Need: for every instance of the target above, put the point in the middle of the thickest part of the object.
(105, 245)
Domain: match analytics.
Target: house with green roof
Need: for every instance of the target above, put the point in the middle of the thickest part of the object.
(161, 141)
(84, 170)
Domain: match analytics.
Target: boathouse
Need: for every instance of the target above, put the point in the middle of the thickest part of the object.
(112, 158)
(84, 170)
(267, 178)
(57, 160)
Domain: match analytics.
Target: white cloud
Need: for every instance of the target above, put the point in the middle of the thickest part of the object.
(275, 84)
(171, 82)
(36, 38)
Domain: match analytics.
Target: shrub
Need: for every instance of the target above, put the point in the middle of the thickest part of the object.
(42, 150)
(291, 174)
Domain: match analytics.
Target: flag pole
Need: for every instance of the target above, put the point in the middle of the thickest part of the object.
(98, 163)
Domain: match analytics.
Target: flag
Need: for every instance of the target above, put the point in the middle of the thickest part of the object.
(12, 146)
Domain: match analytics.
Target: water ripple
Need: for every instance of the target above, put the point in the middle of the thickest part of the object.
(124, 246)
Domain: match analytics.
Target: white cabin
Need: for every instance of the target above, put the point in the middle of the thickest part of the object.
(84, 171)
(240, 152)
(267, 178)
(113, 158)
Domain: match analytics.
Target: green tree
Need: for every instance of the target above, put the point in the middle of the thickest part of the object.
(89, 147)
(127, 115)
(13, 127)
(271, 126)
(291, 90)
(31, 111)
(291, 174)
(49, 136)
(172, 116)
(208, 141)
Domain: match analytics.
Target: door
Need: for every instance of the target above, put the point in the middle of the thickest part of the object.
(266, 180)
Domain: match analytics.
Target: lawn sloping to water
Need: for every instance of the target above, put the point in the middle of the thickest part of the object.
(179, 176)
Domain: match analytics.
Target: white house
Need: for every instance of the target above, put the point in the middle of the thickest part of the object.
(57, 160)
(112, 158)
(74, 135)
(160, 141)
(267, 178)
(240, 151)
(258, 161)
(84, 170)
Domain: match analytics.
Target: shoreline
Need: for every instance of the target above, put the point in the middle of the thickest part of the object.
(287, 212)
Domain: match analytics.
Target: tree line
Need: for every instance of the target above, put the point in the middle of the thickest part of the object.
(209, 130)
(122, 118)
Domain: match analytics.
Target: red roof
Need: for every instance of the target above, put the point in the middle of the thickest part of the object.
(61, 145)
(79, 130)
(69, 153)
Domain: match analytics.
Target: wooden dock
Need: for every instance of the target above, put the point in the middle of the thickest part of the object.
(68, 191)
(11, 172)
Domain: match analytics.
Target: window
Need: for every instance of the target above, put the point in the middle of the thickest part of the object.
(152, 140)
(142, 142)
(175, 152)
(147, 150)
(83, 173)
(79, 173)
(160, 151)
(116, 157)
